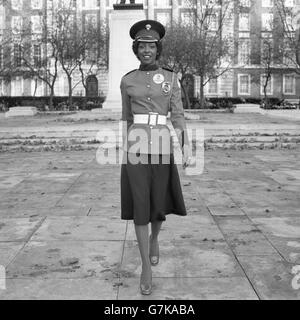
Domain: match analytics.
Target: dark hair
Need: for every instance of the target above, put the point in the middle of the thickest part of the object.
(135, 46)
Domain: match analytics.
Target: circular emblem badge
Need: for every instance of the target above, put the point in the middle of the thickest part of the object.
(166, 87)
(158, 78)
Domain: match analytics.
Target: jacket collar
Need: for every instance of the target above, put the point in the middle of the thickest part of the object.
(152, 67)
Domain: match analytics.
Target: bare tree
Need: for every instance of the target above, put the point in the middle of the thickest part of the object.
(290, 45)
(39, 53)
(95, 55)
(178, 52)
(78, 41)
(212, 46)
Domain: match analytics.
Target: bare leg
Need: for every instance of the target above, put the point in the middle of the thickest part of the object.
(154, 247)
(142, 235)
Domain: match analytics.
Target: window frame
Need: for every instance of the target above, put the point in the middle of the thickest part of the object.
(240, 75)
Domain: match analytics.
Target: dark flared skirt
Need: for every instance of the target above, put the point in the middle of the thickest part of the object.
(150, 191)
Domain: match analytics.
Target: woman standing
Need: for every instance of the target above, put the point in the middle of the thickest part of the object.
(150, 185)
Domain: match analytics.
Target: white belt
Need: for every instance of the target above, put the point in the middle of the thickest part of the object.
(153, 118)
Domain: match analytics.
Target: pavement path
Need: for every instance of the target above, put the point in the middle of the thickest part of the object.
(61, 236)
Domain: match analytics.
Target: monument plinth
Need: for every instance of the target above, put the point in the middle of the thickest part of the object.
(21, 112)
(121, 56)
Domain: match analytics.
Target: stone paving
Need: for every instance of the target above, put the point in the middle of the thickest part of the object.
(61, 236)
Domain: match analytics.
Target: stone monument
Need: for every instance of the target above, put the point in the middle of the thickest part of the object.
(121, 56)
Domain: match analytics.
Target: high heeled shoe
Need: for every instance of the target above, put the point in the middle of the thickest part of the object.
(146, 289)
(154, 260)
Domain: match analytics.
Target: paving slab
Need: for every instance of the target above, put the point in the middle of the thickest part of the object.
(79, 199)
(271, 277)
(59, 289)
(18, 229)
(18, 201)
(22, 212)
(192, 228)
(8, 250)
(67, 260)
(270, 210)
(226, 210)
(287, 227)
(9, 181)
(285, 177)
(188, 259)
(288, 248)
(244, 238)
(190, 289)
(81, 228)
(218, 199)
(109, 211)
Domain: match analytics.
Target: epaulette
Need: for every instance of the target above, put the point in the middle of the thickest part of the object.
(129, 72)
(168, 69)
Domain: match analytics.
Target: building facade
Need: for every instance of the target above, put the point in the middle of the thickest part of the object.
(251, 22)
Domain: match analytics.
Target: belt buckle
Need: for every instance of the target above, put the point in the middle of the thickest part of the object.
(153, 118)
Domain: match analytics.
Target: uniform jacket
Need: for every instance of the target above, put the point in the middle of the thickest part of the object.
(152, 91)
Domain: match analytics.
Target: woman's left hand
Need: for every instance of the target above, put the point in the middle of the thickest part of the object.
(186, 156)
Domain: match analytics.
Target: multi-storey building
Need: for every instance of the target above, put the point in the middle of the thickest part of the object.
(250, 23)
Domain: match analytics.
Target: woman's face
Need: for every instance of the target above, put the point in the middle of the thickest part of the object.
(147, 52)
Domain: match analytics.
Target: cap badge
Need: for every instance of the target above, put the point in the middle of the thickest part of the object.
(158, 78)
(148, 27)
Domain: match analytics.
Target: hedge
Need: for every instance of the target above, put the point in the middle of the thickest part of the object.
(82, 103)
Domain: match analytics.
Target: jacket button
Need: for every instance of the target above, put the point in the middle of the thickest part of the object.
(149, 99)
(148, 86)
(148, 73)
(150, 142)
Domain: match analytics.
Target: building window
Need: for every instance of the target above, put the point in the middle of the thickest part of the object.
(36, 4)
(267, 21)
(267, 3)
(288, 54)
(17, 55)
(91, 19)
(2, 87)
(162, 3)
(91, 4)
(37, 87)
(163, 17)
(290, 3)
(244, 22)
(17, 86)
(17, 4)
(244, 84)
(187, 18)
(213, 86)
(291, 23)
(36, 24)
(245, 3)
(2, 18)
(68, 4)
(263, 80)
(289, 84)
(213, 22)
(244, 52)
(16, 24)
(267, 51)
(37, 55)
(1, 57)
